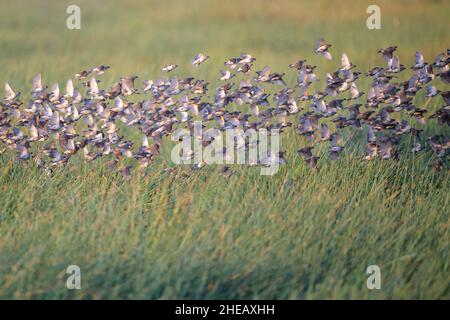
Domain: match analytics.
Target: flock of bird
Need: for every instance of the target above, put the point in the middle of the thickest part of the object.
(55, 125)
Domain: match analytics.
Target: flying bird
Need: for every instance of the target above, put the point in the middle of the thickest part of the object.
(169, 67)
(199, 58)
(322, 48)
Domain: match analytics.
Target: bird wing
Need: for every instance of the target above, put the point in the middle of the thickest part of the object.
(354, 90)
(37, 82)
(9, 93)
(54, 120)
(327, 55)
(93, 85)
(320, 43)
(419, 58)
(69, 88)
(345, 63)
(55, 89)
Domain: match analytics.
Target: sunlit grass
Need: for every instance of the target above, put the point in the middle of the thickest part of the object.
(197, 234)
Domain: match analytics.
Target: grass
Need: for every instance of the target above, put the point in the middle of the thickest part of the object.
(295, 235)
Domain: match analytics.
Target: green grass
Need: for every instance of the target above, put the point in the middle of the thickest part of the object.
(295, 235)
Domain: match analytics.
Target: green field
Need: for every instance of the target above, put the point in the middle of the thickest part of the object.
(199, 235)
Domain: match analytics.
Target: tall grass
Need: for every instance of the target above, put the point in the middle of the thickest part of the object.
(186, 234)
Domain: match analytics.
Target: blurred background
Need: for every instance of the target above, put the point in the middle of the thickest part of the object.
(138, 37)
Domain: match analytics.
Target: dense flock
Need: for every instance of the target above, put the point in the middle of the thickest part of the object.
(54, 125)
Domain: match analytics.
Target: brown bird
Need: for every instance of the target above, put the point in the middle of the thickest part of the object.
(322, 48)
(100, 69)
(126, 172)
(371, 151)
(169, 67)
(82, 74)
(387, 53)
(199, 58)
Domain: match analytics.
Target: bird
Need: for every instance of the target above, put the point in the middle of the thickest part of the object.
(440, 144)
(419, 62)
(199, 58)
(388, 147)
(93, 88)
(325, 134)
(245, 68)
(37, 86)
(127, 85)
(306, 152)
(446, 96)
(24, 151)
(431, 91)
(232, 63)
(69, 89)
(126, 172)
(312, 163)
(82, 74)
(322, 48)
(387, 53)
(371, 151)
(345, 63)
(336, 146)
(169, 67)
(226, 75)
(54, 92)
(298, 65)
(354, 92)
(246, 58)
(394, 65)
(10, 95)
(99, 70)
